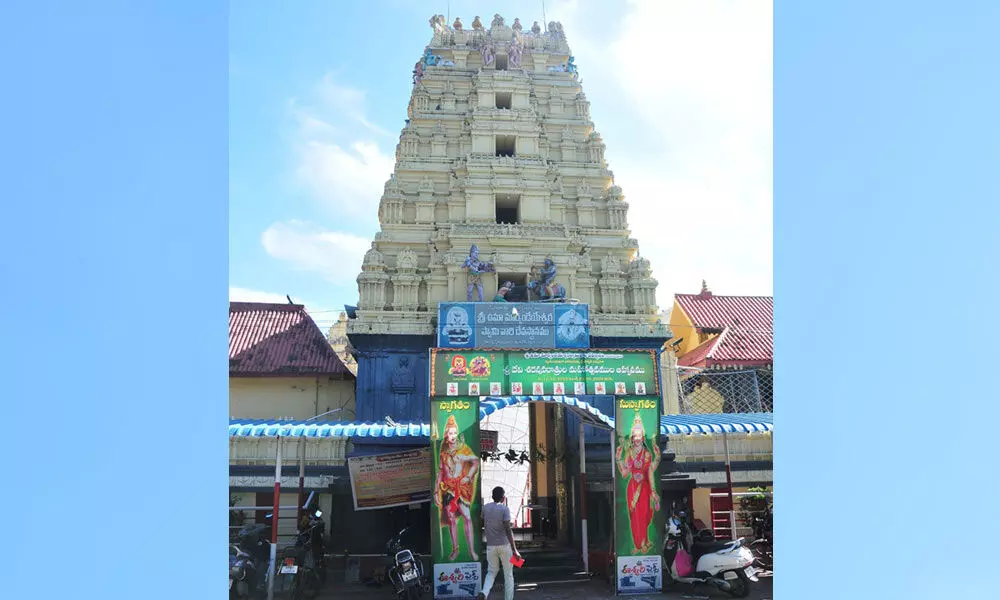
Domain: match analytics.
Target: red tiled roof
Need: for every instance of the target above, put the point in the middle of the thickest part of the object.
(745, 325)
(696, 357)
(278, 339)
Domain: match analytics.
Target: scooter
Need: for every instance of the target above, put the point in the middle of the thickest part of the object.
(726, 565)
(407, 572)
(248, 560)
(242, 574)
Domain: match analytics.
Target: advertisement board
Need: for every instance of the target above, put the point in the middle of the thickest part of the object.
(543, 372)
(392, 479)
(639, 515)
(488, 440)
(456, 513)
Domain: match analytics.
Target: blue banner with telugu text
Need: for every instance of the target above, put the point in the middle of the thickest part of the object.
(513, 325)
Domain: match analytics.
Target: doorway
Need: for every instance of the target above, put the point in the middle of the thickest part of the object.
(509, 466)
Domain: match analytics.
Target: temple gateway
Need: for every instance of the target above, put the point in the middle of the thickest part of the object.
(501, 192)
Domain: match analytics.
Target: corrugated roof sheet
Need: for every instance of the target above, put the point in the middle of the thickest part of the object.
(716, 423)
(747, 324)
(278, 339)
(312, 429)
(669, 425)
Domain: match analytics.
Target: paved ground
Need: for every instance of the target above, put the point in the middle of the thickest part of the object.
(592, 590)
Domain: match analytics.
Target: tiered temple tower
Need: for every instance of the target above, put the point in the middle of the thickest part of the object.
(498, 151)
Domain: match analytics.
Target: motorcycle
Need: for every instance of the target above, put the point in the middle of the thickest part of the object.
(292, 572)
(691, 560)
(311, 538)
(407, 571)
(302, 582)
(248, 560)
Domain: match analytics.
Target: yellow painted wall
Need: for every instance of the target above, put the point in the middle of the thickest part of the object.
(540, 480)
(294, 397)
(669, 381)
(705, 399)
(703, 503)
(683, 327)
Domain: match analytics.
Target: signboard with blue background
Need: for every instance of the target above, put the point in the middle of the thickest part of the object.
(513, 325)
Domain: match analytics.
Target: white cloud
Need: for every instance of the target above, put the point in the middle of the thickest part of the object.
(682, 95)
(238, 294)
(347, 101)
(349, 180)
(339, 161)
(335, 255)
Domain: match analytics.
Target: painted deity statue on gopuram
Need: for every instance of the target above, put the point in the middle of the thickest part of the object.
(476, 268)
(502, 291)
(545, 287)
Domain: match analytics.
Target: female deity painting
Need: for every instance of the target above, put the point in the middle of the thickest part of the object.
(638, 466)
(457, 366)
(455, 487)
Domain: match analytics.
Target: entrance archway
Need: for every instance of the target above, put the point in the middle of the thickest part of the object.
(458, 379)
(586, 413)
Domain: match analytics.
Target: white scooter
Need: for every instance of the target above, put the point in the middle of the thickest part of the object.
(726, 565)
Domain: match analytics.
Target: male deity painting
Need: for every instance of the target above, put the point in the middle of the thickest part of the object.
(476, 269)
(571, 328)
(455, 487)
(457, 326)
(637, 463)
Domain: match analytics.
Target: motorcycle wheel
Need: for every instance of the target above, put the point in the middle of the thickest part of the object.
(763, 555)
(309, 585)
(740, 587)
(412, 593)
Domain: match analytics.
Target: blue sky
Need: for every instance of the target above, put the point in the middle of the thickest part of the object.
(680, 91)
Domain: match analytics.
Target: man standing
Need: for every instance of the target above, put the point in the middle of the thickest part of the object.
(499, 545)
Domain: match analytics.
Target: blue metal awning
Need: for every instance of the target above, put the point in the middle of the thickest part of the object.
(669, 424)
(265, 428)
(590, 414)
(717, 423)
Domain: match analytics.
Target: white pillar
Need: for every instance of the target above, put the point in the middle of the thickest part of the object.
(302, 478)
(274, 523)
(729, 487)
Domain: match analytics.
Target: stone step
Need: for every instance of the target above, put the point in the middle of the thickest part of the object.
(536, 575)
(550, 558)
